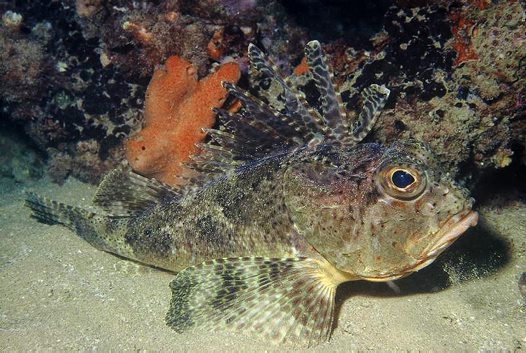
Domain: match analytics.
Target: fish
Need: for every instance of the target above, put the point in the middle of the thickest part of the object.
(287, 203)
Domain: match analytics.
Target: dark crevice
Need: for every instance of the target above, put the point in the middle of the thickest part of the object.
(350, 20)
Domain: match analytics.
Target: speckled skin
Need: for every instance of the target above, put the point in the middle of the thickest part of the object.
(237, 215)
(324, 200)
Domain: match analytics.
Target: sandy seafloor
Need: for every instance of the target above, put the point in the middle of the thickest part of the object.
(57, 293)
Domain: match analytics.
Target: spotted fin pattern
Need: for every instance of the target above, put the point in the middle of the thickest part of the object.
(289, 299)
(280, 118)
(79, 220)
(295, 112)
(333, 113)
(52, 212)
(374, 98)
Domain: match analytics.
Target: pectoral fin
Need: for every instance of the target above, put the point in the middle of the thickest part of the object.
(289, 299)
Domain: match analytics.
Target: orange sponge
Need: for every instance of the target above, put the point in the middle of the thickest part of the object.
(176, 108)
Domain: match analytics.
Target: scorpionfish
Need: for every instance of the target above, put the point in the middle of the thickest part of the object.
(287, 204)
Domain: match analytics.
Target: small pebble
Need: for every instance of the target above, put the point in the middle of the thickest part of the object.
(522, 284)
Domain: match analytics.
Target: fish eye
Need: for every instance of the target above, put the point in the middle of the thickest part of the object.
(402, 179)
(402, 182)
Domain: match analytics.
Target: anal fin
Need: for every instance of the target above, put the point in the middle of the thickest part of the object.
(289, 299)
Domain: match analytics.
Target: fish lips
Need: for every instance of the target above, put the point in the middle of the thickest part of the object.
(453, 228)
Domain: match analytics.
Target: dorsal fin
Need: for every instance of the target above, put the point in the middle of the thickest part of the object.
(124, 193)
(332, 110)
(280, 117)
(292, 106)
(373, 101)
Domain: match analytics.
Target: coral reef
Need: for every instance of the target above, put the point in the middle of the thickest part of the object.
(177, 108)
(58, 85)
(139, 35)
(22, 63)
(457, 79)
(485, 88)
(75, 72)
(81, 160)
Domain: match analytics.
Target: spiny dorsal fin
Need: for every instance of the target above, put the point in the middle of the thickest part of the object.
(255, 131)
(123, 193)
(374, 98)
(290, 299)
(282, 119)
(266, 121)
(332, 112)
(296, 113)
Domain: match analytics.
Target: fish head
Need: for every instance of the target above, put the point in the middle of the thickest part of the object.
(376, 213)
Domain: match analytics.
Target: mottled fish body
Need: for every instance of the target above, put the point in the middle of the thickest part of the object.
(286, 205)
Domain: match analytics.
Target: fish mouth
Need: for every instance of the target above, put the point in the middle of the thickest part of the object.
(453, 228)
(450, 231)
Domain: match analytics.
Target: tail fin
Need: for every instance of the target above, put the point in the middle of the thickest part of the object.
(100, 230)
(52, 212)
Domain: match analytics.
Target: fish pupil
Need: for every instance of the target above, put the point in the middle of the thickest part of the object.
(402, 179)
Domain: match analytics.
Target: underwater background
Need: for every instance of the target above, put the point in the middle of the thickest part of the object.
(84, 88)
